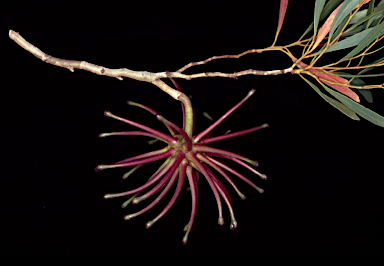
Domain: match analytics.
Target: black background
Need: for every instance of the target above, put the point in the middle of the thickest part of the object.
(324, 191)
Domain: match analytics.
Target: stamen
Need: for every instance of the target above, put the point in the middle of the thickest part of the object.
(200, 136)
(153, 191)
(150, 182)
(231, 135)
(263, 176)
(182, 171)
(131, 133)
(141, 156)
(194, 193)
(204, 159)
(152, 112)
(165, 137)
(224, 193)
(260, 190)
(200, 167)
(162, 194)
(202, 148)
(143, 161)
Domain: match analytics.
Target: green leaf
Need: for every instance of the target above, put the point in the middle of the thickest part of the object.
(375, 15)
(329, 7)
(369, 11)
(365, 92)
(353, 31)
(375, 33)
(351, 41)
(344, 11)
(319, 5)
(370, 68)
(341, 107)
(359, 15)
(340, 28)
(359, 109)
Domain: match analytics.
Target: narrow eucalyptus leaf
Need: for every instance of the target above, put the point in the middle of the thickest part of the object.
(353, 31)
(375, 33)
(366, 93)
(359, 15)
(319, 5)
(344, 11)
(370, 68)
(338, 105)
(358, 108)
(375, 15)
(329, 7)
(351, 41)
(369, 11)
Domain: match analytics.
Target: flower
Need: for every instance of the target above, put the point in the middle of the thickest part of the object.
(183, 155)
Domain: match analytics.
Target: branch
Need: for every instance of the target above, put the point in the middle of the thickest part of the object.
(144, 75)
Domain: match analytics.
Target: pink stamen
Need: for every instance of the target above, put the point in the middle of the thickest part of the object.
(200, 136)
(182, 170)
(147, 160)
(165, 137)
(202, 148)
(231, 135)
(172, 165)
(194, 193)
(235, 173)
(201, 169)
(162, 194)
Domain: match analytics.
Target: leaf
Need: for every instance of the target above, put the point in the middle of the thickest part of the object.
(369, 11)
(351, 41)
(325, 76)
(375, 15)
(357, 82)
(370, 68)
(359, 15)
(366, 93)
(319, 5)
(329, 7)
(342, 12)
(326, 11)
(359, 109)
(325, 28)
(283, 9)
(339, 106)
(375, 33)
